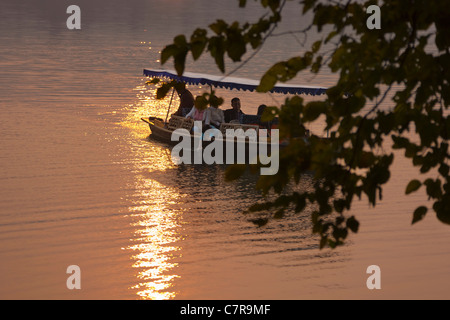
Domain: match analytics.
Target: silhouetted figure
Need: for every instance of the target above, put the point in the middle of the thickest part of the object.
(214, 117)
(186, 100)
(234, 114)
(263, 124)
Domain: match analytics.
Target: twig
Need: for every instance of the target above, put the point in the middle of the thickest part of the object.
(293, 33)
(260, 47)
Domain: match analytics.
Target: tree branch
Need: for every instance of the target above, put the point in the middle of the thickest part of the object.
(255, 52)
(358, 136)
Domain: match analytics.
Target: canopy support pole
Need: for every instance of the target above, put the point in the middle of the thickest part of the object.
(168, 110)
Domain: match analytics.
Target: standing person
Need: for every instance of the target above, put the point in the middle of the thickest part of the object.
(234, 114)
(186, 100)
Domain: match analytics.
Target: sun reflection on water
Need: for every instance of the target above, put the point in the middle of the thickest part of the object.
(155, 244)
(157, 220)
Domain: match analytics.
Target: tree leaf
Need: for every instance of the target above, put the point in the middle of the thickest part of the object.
(316, 46)
(216, 47)
(260, 222)
(198, 42)
(219, 27)
(270, 78)
(236, 46)
(352, 224)
(167, 52)
(180, 62)
(419, 214)
(413, 185)
(313, 110)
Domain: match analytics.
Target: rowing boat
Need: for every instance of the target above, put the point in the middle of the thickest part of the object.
(249, 132)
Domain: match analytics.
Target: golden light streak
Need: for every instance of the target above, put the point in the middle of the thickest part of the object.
(157, 221)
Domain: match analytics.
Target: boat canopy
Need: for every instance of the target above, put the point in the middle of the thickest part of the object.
(231, 82)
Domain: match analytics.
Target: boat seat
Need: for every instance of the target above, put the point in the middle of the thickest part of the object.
(235, 126)
(187, 124)
(177, 122)
(250, 119)
(174, 122)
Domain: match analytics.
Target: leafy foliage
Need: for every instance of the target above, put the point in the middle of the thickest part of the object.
(393, 63)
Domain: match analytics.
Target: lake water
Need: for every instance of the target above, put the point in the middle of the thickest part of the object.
(82, 184)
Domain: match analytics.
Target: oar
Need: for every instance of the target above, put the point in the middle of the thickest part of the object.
(145, 120)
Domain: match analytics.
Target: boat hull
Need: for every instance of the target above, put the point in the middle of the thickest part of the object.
(223, 151)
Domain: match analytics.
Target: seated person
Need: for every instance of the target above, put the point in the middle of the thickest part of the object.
(186, 100)
(263, 124)
(261, 109)
(234, 114)
(196, 115)
(214, 117)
